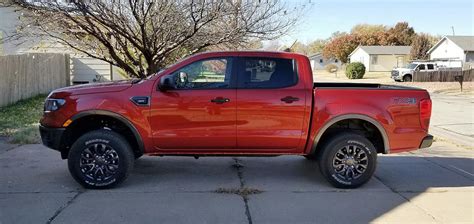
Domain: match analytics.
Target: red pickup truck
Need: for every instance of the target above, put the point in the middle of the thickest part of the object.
(234, 104)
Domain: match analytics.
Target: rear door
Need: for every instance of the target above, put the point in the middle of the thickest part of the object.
(270, 104)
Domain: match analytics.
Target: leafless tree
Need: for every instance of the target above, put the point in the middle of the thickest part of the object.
(143, 36)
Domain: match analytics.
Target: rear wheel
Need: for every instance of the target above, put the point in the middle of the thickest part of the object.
(100, 159)
(348, 160)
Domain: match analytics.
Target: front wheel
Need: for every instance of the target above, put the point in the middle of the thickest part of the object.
(100, 159)
(407, 78)
(348, 160)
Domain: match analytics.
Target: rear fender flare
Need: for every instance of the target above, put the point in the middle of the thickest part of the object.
(352, 116)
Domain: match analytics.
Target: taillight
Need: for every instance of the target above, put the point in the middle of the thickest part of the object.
(425, 113)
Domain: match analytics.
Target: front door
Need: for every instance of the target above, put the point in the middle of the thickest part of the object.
(270, 105)
(200, 113)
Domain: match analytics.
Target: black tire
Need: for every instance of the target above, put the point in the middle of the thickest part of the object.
(407, 78)
(348, 142)
(310, 157)
(106, 150)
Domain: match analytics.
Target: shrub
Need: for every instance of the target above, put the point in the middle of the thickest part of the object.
(355, 70)
(331, 68)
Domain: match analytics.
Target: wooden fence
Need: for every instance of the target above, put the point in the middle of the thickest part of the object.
(27, 75)
(443, 76)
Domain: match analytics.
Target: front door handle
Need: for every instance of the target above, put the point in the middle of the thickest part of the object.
(289, 99)
(220, 100)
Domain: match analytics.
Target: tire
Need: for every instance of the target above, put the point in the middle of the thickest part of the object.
(100, 159)
(407, 78)
(310, 157)
(360, 153)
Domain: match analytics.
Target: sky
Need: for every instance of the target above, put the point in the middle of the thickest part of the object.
(323, 17)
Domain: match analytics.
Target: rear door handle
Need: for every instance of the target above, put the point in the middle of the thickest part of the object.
(289, 99)
(220, 100)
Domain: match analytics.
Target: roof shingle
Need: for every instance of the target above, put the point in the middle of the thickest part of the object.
(386, 49)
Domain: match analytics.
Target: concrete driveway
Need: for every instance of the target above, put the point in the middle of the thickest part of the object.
(430, 186)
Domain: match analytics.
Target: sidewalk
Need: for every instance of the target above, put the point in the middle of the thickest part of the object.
(452, 118)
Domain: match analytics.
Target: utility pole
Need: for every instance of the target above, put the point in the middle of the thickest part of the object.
(452, 28)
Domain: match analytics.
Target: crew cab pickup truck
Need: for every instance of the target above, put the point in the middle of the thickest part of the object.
(234, 104)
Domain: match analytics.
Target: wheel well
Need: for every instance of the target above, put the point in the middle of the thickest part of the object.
(358, 126)
(408, 75)
(95, 122)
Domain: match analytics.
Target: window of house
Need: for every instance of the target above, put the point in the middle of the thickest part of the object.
(374, 59)
(267, 73)
(205, 74)
(321, 60)
(335, 60)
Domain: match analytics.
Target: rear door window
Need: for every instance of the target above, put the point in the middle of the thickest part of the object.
(430, 66)
(265, 73)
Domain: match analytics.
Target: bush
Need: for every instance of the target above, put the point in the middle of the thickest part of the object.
(331, 68)
(355, 70)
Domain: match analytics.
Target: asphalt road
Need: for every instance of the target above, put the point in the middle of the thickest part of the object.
(430, 186)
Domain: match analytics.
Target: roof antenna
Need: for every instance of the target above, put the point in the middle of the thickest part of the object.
(288, 49)
(452, 28)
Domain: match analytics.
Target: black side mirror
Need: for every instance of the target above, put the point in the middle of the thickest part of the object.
(166, 83)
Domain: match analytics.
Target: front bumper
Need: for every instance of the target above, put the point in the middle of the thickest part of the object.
(426, 142)
(51, 137)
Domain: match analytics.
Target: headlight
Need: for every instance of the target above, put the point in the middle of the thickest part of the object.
(53, 104)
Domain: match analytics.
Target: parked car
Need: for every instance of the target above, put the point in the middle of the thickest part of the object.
(405, 74)
(243, 110)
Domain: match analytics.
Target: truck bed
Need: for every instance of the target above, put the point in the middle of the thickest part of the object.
(347, 85)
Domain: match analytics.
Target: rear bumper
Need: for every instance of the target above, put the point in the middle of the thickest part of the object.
(51, 137)
(426, 142)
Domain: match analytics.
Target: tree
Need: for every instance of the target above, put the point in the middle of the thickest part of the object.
(316, 46)
(299, 47)
(420, 46)
(340, 47)
(368, 29)
(401, 34)
(143, 36)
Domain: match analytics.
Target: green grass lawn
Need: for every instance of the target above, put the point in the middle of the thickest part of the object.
(19, 122)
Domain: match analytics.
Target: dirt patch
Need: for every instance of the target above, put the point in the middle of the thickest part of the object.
(244, 192)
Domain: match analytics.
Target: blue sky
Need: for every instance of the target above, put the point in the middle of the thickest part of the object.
(430, 16)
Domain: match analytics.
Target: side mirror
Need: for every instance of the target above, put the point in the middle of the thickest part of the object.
(166, 83)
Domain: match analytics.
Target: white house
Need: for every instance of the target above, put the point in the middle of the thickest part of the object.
(318, 62)
(381, 58)
(454, 48)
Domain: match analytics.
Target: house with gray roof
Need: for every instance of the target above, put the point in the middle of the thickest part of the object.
(318, 62)
(454, 48)
(381, 58)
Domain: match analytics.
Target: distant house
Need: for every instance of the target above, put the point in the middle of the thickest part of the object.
(318, 62)
(83, 69)
(454, 48)
(381, 58)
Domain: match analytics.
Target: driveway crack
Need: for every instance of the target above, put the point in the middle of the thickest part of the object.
(407, 199)
(64, 206)
(240, 174)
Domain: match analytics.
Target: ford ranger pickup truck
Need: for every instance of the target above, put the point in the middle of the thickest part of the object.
(233, 104)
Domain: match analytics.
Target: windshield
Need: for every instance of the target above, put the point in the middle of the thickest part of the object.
(411, 66)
